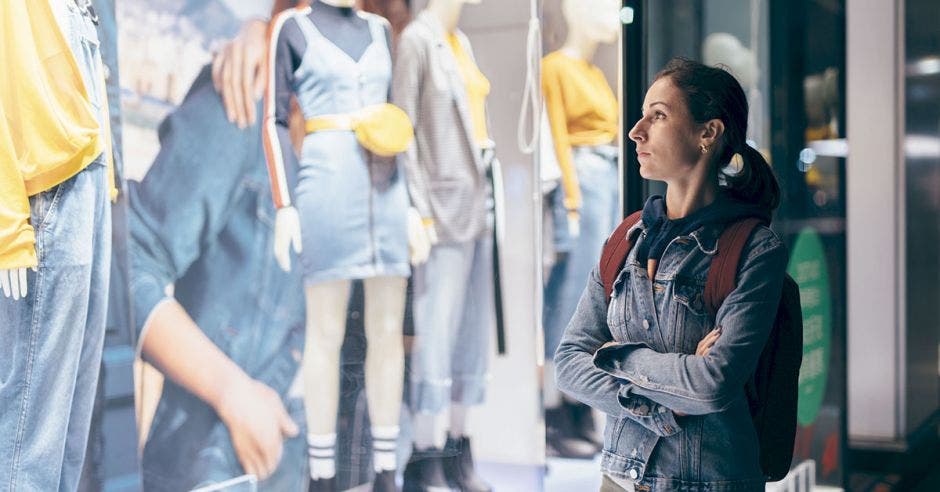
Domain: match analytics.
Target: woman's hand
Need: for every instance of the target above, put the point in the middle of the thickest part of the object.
(258, 424)
(708, 341)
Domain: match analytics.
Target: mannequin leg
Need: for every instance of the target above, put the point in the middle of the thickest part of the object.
(326, 327)
(385, 363)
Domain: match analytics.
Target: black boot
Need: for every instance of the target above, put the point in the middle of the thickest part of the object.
(561, 439)
(459, 469)
(583, 422)
(384, 482)
(425, 473)
(322, 485)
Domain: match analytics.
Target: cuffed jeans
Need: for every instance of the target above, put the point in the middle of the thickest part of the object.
(454, 316)
(577, 255)
(52, 340)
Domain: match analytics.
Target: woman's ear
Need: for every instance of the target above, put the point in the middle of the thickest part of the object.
(712, 130)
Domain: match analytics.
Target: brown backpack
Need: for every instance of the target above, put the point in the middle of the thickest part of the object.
(772, 390)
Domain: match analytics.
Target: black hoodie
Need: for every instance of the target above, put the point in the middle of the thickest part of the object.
(660, 230)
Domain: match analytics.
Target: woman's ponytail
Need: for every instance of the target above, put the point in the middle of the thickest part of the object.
(755, 182)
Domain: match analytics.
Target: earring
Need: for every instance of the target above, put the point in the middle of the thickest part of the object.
(704, 148)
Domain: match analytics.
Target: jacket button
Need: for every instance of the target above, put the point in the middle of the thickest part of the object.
(634, 474)
(646, 324)
(643, 410)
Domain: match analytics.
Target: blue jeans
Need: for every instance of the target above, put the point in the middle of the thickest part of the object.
(577, 255)
(454, 317)
(52, 340)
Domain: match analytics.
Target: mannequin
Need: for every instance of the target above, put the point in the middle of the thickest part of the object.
(583, 117)
(438, 84)
(726, 49)
(56, 177)
(345, 211)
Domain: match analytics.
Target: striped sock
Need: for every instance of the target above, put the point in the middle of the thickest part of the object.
(322, 455)
(384, 446)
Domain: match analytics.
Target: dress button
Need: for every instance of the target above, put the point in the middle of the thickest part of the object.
(646, 324)
(634, 474)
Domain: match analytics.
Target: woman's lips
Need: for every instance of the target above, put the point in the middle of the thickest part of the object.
(640, 155)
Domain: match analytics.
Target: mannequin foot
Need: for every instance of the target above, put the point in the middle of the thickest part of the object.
(459, 469)
(583, 422)
(425, 472)
(384, 482)
(561, 438)
(322, 485)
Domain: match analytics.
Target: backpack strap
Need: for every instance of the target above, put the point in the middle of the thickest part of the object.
(722, 274)
(615, 252)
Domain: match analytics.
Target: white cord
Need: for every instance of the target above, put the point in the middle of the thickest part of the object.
(532, 92)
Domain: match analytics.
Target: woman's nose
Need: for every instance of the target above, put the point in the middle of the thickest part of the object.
(637, 133)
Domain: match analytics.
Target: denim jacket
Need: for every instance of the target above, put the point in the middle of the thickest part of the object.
(202, 219)
(646, 374)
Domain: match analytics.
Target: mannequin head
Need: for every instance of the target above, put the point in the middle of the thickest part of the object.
(725, 49)
(448, 11)
(596, 21)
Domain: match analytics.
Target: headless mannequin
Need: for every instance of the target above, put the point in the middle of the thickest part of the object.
(327, 301)
(430, 428)
(590, 23)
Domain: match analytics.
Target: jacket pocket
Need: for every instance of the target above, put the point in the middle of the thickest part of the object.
(691, 318)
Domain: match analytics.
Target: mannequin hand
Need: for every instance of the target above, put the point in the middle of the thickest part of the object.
(13, 283)
(286, 235)
(258, 424)
(238, 72)
(574, 223)
(420, 237)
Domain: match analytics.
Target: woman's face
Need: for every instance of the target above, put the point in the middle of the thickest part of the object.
(667, 138)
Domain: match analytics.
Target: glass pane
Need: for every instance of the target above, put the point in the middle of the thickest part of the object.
(234, 345)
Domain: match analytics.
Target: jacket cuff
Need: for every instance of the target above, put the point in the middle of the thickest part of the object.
(648, 413)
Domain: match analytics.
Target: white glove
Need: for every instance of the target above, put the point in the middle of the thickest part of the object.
(286, 235)
(13, 283)
(420, 237)
(574, 224)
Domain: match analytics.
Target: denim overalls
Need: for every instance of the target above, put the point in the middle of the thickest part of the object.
(645, 373)
(352, 205)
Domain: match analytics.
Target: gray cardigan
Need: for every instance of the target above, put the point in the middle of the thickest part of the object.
(446, 174)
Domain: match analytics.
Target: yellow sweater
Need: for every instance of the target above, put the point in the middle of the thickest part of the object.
(477, 86)
(48, 130)
(582, 110)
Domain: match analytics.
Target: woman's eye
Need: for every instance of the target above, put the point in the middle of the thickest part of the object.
(659, 115)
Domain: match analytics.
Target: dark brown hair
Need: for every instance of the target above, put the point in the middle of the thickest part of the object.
(713, 93)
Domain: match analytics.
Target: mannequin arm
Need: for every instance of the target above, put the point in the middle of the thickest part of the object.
(558, 122)
(252, 412)
(421, 237)
(286, 235)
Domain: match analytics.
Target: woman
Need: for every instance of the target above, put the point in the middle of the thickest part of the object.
(672, 387)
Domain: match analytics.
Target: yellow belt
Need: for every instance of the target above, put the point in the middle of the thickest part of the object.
(331, 122)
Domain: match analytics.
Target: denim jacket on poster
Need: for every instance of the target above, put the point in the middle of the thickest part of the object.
(647, 373)
(202, 219)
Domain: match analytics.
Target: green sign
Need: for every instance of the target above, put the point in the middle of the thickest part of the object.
(808, 267)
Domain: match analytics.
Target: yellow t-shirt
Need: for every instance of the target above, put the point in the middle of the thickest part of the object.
(582, 110)
(477, 86)
(49, 131)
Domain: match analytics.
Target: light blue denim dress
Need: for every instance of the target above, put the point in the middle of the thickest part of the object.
(352, 205)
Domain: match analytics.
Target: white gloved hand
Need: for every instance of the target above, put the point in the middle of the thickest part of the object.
(13, 283)
(420, 237)
(286, 235)
(574, 224)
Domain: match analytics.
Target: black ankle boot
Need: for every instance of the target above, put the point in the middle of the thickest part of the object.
(384, 482)
(425, 473)
(561, 438)
(322, 485)
(459, 468)
(583, 423)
